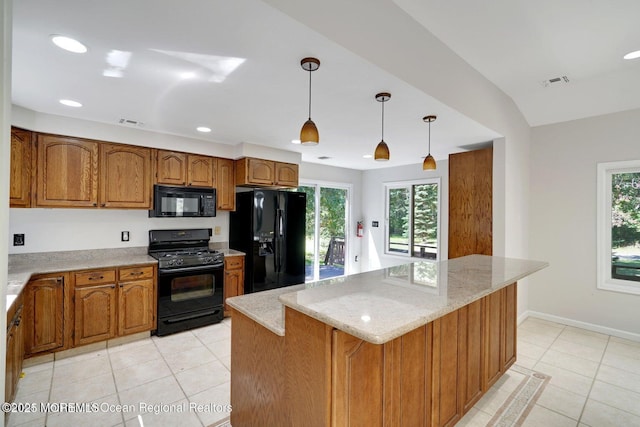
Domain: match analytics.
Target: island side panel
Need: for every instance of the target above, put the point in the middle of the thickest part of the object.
(511, 325)
(308, 370)
(257, 375)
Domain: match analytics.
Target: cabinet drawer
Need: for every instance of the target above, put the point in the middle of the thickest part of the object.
(95, 277)
(233, 262)
(135, 273)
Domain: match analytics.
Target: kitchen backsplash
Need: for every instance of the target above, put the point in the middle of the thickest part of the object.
(50, 230)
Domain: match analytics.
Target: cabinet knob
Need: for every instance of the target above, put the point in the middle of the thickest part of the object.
(103, 205)
(95, 204)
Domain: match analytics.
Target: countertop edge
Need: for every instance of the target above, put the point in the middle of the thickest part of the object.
(409, 326)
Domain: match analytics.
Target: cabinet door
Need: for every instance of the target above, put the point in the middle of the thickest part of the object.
(171, 168)
(9, 379)
(470, 352)
(226, 185)
(44, 322)
(67, 173)
(446, 410)
(493, 338)
(95, 313)
(286, 174)
(20, 169)
(136, 307)
(125, 176)
(261, 171)
(200, 171)
(510, 325)
(357, 371)
(233, 280)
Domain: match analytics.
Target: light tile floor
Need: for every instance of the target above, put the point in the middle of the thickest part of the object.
(595, 381)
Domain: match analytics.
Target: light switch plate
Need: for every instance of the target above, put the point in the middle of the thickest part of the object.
(18, 240)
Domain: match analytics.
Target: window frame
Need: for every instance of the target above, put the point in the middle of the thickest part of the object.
(605, 281)
(409, 186)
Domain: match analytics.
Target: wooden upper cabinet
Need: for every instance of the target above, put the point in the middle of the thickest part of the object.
(286, 174)
(259, 172)
(67, 173)
(201, 170)
(172, 168)
(255, 171)
(176, 168)
(20, 169)
(226, 185)
(125, 176)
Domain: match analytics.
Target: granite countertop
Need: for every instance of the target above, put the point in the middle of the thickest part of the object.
(264, 307)
(23, 266)
(379, 306)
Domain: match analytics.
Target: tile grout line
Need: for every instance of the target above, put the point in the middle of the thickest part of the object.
(594, 379)
(115, 384)
(173, 374)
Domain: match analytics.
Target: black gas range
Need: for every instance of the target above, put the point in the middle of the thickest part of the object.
(190, 279)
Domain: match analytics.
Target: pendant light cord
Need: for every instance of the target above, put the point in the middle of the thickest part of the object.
(429, 153)
(309, 94)
(382, 120)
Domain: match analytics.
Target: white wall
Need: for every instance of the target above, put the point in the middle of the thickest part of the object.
(563, 218)
(48, 230)
(373, 197)
(313, 172)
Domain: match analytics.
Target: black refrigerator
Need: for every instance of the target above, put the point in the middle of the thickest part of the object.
(269, 226)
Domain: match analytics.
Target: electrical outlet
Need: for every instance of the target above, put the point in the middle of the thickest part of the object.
(374, 223)
(124, 236)
(18, 240)
(216, 230)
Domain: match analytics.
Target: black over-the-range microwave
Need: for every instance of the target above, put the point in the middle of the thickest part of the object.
(183, 201)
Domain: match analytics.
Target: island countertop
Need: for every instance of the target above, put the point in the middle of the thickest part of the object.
(379, 306)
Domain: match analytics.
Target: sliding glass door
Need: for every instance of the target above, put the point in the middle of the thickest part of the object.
(326, 230)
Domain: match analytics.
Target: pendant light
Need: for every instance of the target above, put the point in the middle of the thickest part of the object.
(429, 162)
(382, 149)
(309, 132)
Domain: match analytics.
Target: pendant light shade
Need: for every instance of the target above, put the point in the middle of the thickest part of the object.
(309, 132)
(382, 149)
(429, 162)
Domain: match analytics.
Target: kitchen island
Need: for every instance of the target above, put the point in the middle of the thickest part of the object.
(416, 344)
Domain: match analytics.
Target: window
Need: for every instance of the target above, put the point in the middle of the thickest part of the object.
(412, 219)
(619, 226)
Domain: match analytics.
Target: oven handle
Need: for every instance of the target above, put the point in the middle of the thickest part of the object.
(191, 316)
(191, 269)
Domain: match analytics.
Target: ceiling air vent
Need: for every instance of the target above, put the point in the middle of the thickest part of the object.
(324, 158)
(129, 122)
(556, 81)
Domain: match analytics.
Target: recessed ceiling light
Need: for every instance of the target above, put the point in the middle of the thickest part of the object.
(69, 44)
(295, 141)
(203, 129)
(187, 75)
(632, 55)
(70, 103)
(367, 156)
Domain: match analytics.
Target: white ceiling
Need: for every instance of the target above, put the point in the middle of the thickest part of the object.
(515, 44)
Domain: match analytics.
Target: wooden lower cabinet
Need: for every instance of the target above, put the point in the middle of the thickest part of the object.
(113, 302)
(136, 307)
(233, 279)
(15, 348)
(46, 314)
(430, 376)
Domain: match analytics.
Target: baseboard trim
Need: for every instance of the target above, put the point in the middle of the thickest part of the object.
(578, 324)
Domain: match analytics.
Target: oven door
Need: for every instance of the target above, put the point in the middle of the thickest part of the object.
(189, 297)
